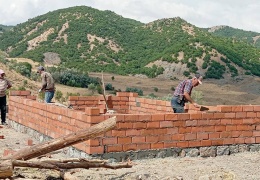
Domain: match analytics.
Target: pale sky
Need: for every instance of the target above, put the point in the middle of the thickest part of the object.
(241, 14)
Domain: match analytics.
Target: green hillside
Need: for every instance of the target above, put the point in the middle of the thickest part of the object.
(239, 34)
(91, 40)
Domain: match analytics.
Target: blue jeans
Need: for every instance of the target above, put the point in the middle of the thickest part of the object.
(177, 107)
(48, 96)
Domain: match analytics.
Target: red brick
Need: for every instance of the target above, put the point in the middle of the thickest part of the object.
(183, 116)
(206, 143)
(112, 140)
(30, 142)
(240, 114)
(257, 140)
(190, 136)
(124, 140)
(179, 123)
(138, 139)
(225, 108)
(133, 132)
(139, 125)
(129, 147)
(220, 128)
(125, 125)
(194, 143)
(157, 145)
(118, 133)
(14, 93)
(93, 142)
(183, 144)
(143, 146)
(95, 150)
(242, 127)
(164, 124)
(171, 116)
(237, 121)
(227, 141)
(219, 115)
(157, 117)
(173, 130)
(191, 123)
(202, 136)
(214, 135)
(196, 116)
(240, 140)
(178, 137)
(256, 108)
(225, 121)
(248, 108)
(169, 144)
(207, 115)
(73, 98)
(92, 111)
(231, 128)
(225, 134)
(217, 142)
(165, 137)
(237, 109)
(114, 148)
(250, 140)
(183, 130)
(153, 124)
(256, 133)
(151, 139)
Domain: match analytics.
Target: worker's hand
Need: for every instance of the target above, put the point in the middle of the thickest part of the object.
(40, 90)
(196, 105)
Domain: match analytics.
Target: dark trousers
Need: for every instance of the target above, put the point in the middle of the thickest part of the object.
(3, 108)
(177, 107)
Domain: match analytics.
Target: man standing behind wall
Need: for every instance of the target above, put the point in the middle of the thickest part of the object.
(48, 85)
(182, 93)
(4, 85)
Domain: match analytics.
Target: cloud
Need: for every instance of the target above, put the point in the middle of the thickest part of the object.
(201, 13)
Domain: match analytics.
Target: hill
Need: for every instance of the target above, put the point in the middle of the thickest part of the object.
(238, 34)
(90, 40)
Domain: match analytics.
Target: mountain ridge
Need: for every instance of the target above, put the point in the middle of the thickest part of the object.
(91, 40)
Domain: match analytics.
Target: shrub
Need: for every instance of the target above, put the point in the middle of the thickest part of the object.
(58, 95)
(109, 87)
(155, 89)
(136, 90)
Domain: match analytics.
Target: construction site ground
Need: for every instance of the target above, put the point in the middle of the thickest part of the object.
(240, 166)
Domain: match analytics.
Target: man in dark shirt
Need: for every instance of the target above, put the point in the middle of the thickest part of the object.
(182, 93)
(4, 85)
(48, 85)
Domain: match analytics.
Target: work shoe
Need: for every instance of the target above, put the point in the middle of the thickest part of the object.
(4, 123)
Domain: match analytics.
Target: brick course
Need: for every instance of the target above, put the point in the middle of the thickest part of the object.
(142, 124)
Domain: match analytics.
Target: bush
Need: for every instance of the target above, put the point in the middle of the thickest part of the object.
(58, 95)
(155, 89)
(109, 87)
(186, 73)
(136, 90)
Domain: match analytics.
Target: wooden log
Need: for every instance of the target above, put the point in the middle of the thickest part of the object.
(69, 165)
(6, 165)
(6, 168)
(65, 141)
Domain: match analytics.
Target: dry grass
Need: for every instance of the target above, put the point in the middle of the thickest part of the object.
(214, 92)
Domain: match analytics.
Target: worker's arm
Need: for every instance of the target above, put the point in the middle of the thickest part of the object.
(188, 98)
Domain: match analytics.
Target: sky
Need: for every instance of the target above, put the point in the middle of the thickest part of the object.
(241, 14)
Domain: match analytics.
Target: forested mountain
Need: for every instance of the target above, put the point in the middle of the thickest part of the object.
(88, 39)
(4, 28)
(229, 32)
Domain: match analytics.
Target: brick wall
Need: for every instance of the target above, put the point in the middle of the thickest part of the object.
(142, 124)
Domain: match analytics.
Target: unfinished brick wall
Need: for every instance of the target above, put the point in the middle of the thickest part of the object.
(142, 124)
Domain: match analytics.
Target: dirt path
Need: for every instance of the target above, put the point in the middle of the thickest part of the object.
(241, 166)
